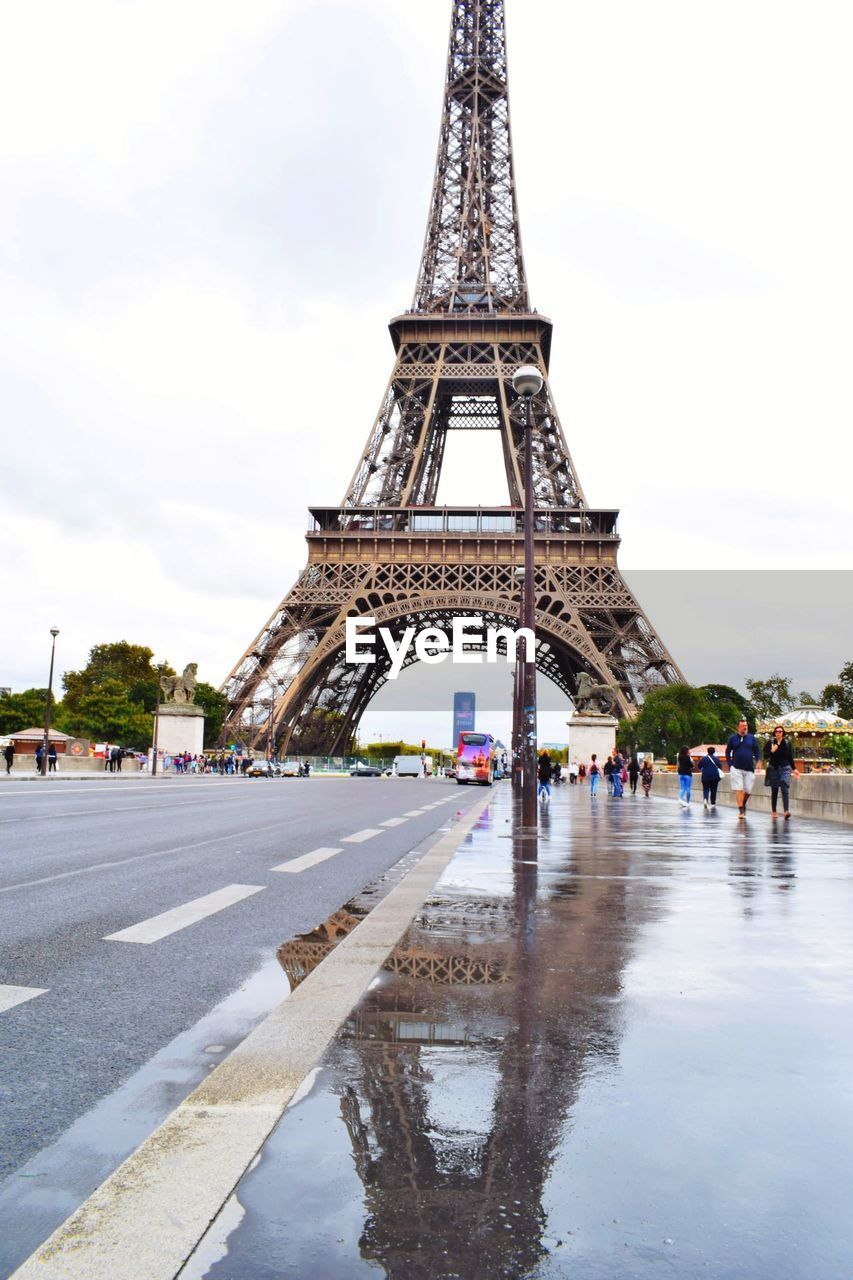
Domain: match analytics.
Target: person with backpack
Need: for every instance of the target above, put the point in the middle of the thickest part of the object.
(709, 767)
(594, 776)
(684, 768)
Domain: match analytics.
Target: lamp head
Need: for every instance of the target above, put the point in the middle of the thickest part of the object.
(527, 380)
(54, 631)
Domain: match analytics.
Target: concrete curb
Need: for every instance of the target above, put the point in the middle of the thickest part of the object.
(145, 1220)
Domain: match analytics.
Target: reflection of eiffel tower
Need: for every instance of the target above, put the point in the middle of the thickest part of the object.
(388, 550)
(459, 1191)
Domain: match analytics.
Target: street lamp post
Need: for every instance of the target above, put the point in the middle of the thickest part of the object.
(54, 631)
(527, 382)
(154, 748)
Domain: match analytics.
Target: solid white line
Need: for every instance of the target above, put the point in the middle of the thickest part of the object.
(359, 836)
(306, 860)
(189, 913)
(10, 996)
(392, 822)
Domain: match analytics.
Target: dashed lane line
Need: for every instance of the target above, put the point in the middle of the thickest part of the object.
(10, 996)
(414, 813)
(143, 857)
(169, 922)
(392, 822)
(359, 837)
(295, 865)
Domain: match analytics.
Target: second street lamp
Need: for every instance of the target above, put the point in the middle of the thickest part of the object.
(54, 631)
(527, 382)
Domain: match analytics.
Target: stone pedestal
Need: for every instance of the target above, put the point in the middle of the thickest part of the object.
(588, 734)
(181, 728)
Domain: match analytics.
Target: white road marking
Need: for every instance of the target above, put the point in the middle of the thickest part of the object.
(10, 996)
(189, 913)
(306, 860)
(392, 822)
(143, 857)
(414, 813)
(359, 836)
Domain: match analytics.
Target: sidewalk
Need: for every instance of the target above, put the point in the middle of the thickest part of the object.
(630, 1060)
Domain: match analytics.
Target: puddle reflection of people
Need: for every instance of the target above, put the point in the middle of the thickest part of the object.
(780, 864)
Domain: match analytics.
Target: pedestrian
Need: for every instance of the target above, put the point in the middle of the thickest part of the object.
(307, 768)
(685, 777)
(779, 760)
(633, 772)
(556, 772)
(573, 773)
(39, 757)
(544, 773)
(709, 767)
(647, 772)
(115, 760)
(51, 757)
(608, 773)
(619, 774)
(9, 755)
(594, 776)
(581, 772)
(742, 756)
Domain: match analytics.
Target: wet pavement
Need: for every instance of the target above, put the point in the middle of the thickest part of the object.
(633, 1059)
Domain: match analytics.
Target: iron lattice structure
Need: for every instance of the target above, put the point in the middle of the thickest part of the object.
(389, 550)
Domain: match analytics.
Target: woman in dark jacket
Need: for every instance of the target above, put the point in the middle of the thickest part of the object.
(685, 776)
(709, 767)
(779, 759)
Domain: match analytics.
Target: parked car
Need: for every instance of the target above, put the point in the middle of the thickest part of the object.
(260, 769)
(362, 770)
(291, 769)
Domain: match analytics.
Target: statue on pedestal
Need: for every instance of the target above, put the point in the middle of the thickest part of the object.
(595, 699)
(180, 688)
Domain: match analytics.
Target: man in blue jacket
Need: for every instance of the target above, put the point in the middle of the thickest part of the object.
(742, 756)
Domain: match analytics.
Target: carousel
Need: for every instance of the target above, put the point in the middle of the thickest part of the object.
(811, 730)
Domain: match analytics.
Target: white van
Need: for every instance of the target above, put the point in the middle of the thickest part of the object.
(412, 766)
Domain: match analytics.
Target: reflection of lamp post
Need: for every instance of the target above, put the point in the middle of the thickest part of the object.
(54, 631)
(527, 382)
(160, 666)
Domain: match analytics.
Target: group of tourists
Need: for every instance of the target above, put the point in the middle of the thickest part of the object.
(743, 755)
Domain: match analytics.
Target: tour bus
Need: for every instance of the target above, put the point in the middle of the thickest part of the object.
(475, 759)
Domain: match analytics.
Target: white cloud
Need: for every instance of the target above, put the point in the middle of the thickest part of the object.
(209, 212)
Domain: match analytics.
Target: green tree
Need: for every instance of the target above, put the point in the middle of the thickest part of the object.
(730, 705)
(105, 713)
(215, 705)
(771, 697)
(805, 699)
(838, 696)
(25, 710)
(672, 716)
(842, 748)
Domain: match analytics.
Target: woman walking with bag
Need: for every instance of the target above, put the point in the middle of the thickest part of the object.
(646, 774)
(685, 777)
(709, 767)
(780, 770)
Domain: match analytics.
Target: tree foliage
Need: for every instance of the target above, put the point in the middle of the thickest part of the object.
(771, 697)
(112, 698)
(673, 716)
(841, 746)
(838, 695)
(214, 705)
(24, 710)
(730, 704)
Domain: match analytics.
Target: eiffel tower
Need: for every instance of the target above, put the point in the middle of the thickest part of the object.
(388, 550)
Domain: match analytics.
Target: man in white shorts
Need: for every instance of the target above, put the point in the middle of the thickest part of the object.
(743, 754)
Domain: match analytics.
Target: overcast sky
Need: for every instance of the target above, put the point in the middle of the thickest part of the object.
(210, 211)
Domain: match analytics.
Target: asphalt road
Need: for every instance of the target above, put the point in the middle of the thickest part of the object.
(82, 861)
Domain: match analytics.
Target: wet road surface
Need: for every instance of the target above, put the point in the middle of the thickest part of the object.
(634, 1060)
(130, 910)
